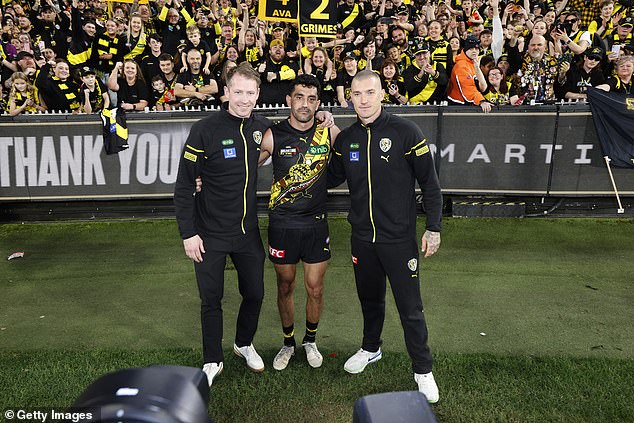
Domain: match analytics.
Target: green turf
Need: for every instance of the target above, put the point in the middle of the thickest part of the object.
(553, 298)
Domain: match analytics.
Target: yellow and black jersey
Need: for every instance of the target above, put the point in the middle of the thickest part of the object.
(299, 173)
(498, 98)
(20, 98)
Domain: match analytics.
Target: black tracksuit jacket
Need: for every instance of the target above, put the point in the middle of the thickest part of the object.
(224, 150)
(381, 162)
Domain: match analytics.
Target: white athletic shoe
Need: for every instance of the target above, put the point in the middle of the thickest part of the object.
(358, 362)
(251, 356)
(312, 354)
(212, 370)
(283, 357)
(427, 386)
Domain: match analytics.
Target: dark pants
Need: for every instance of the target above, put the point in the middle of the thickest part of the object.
(372, 262)
(247, 255)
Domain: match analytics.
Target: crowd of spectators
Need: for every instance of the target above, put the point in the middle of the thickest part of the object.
(80, 56)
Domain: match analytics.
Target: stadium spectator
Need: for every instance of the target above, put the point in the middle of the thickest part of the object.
(135, 38)
(350, 15)
(127, 81)
(171, 27)
(276, 74)
(536, 78)
(161, 96)
(83, 33)
(438, 46)
(576, 40)
(150, 61)
(109, 49)
(250, 45)
(622, 81)
(193, 87)
(605, 23)
(425, 80)
(466, 77)
(621, 37)
(92, 91)
(58, 91)
(51, 27)
(498, 89)
(194, 42)
(392, 83)
(167, 73)
(344, 78)
(22, 95)
(320, 66)
(580, 76)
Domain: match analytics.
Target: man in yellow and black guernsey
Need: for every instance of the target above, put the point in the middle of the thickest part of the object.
(277, 73)
(425, 80)
(382, 156)
(298, 229)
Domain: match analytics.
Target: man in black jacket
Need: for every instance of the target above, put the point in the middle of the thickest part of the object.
(382, 156)
(223, 149)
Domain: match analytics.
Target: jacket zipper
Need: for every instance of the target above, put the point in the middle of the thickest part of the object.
(246, 180)
(370, 187)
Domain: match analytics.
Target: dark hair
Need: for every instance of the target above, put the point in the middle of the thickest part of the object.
(164, 57)
(157, 78)
(305, 80)
(388, 62)
(155, 37)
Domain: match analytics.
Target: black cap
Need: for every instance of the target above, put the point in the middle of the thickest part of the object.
(471, 42)
(420, 47)
(21, 55)
(349, 55)
(47, 8)
(402, 10)
(277, 25)
(87, 70)
(594, 53)
(385, 20)
(626, 21)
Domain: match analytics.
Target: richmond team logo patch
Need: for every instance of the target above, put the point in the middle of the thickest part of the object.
(412, 264)
(257, 137)
(385, 144)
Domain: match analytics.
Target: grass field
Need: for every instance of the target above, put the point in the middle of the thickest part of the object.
(554, 298)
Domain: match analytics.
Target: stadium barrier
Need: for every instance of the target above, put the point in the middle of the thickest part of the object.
(520, 151)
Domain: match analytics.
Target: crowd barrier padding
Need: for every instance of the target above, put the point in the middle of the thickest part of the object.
(522, 151)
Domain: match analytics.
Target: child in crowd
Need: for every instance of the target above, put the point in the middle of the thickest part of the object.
(162, 97)
(196, 43)
(95, 94)
(22, 96)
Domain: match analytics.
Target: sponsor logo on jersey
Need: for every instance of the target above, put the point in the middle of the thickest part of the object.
(230, 153)
(354, 156)
(227, 142)
(276, 253)
(318, 149)
(191, 157)
(354, 146)
(355, 260)
(385, 144)
(288, 151)
(423, 150)
(412, 264)
(257, 137)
